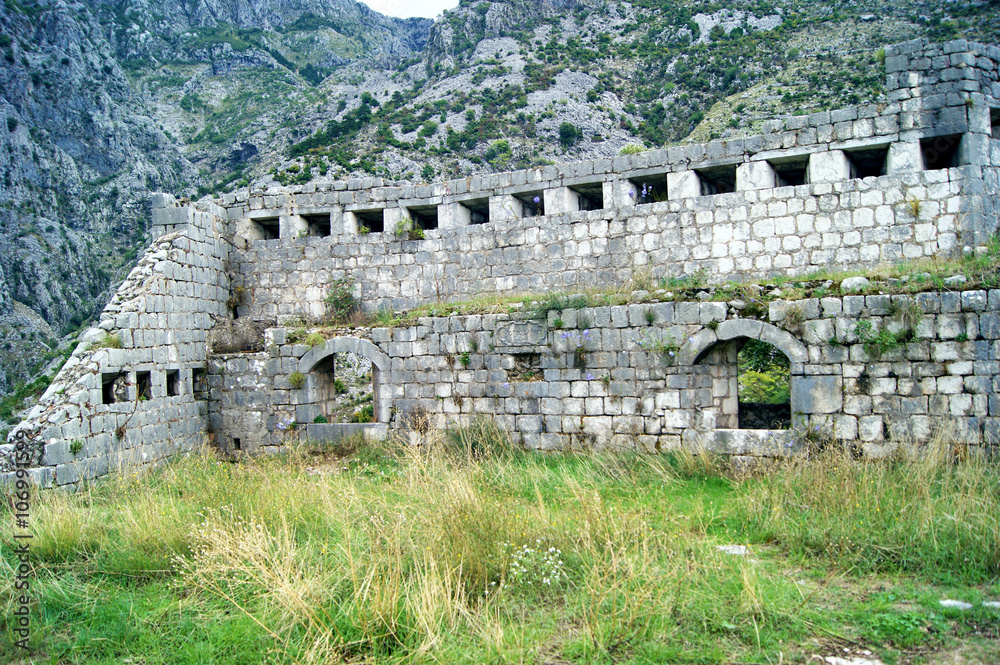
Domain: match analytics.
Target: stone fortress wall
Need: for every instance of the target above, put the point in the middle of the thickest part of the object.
(851, 188)
(650, 376)
(914, 177)
(134, 391)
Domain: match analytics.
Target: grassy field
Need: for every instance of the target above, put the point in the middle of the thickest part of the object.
(467, 551)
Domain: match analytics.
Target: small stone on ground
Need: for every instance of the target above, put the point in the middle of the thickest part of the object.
(739, 550)
(956, 604)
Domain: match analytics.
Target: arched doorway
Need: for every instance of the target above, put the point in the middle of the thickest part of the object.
(320, 367)
(749, 345)
(764, 386)
(344, 389)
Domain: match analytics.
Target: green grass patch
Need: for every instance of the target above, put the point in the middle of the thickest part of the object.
(467, 549)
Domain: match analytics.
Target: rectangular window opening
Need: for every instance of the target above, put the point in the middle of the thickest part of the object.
(173, 383)
(867, 162)
(791, 173)
(479, 210)
(995, 123)
(940, 152)
(650, 189)
(532, 203)
(269, 228)
(237, 445)
(370, 221)
(113, 387)
(591, 195)
(143, 386)
(717, 180)
(424, 217)
(319, 224)
(199, 386)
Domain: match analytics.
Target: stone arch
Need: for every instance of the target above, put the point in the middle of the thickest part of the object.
(720, 348)
(365, 349)
(703, 342)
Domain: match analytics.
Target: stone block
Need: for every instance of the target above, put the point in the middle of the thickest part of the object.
(453, 215)
(754, 175)
(559, 200)
(519, 334)
(904, 158)
(817, 394)
(830, 166)
(683, 185)
(974, 149)
(505, 208)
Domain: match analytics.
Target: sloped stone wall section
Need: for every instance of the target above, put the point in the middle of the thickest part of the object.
(128, 395)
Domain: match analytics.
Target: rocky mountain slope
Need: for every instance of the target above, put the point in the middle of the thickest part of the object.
(103, 102)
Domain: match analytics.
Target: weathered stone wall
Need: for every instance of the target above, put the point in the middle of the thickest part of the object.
(915, 177)
(789, 230)
(138, 401)
(851, 187)
(660, 376)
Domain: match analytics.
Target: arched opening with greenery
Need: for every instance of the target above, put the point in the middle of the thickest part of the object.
(344, 389)
(764, 386)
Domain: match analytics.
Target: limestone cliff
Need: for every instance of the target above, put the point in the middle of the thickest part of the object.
(103, 102)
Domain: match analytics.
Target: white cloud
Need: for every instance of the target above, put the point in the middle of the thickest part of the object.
(407, 8)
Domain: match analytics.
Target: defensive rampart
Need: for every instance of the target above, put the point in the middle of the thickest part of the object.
(652, 376)
(916, 176)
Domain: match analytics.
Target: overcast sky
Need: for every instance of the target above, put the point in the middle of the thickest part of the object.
(407, 8)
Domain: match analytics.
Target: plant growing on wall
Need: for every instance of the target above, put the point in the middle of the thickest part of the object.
(288, 428)
(665, 347)
(341, 301)
(794, 317)
(109, 342)
(297, 380)
(576, 343)
(407, 229)
(878, 343)
(907, 312)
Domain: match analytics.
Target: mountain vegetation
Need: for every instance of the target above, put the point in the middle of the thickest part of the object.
(102, 102)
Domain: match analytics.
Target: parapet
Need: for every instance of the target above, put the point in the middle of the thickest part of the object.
(806, 193)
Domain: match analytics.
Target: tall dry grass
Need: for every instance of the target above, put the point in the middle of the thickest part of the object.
(467, 549)
(925, 510)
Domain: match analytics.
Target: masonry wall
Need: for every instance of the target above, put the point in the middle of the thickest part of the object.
(161, 315)
(789, 230)
(853, 187)
(661, 376)
(917, 176)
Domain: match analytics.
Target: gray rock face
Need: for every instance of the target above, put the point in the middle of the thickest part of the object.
(163, 36)
(80, 156)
